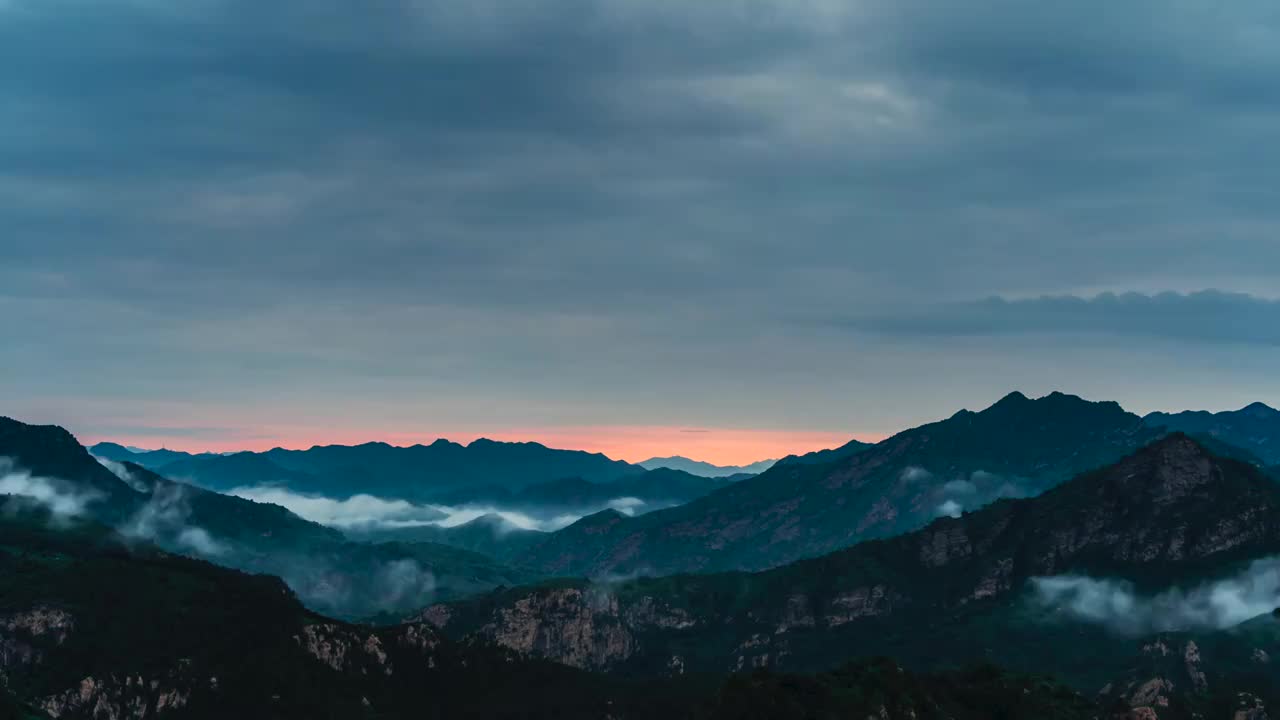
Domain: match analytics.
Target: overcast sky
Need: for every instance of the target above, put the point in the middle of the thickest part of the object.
(605, 223)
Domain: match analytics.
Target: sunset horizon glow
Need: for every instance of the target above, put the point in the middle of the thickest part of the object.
(630, 443)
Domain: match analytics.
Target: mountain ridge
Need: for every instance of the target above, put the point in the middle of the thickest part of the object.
(1171, 512)
(705, 469)
(1015, 447)
(341, 577)
(1255, 427)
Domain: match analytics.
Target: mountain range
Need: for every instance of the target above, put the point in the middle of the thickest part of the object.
(327, 570)
(705, 469)
(1135, 563)
(1171, 514)
(95, 626)
(804, 508)
(527, 477)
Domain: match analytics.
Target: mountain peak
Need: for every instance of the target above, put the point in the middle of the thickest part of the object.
(1260, 410)
(1013, 398)
(1168, 470)
(705, 469)
(110, 449)
(1054, 408)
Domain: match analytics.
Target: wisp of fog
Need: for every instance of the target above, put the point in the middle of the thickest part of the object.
(367, 512)
(1210, 606)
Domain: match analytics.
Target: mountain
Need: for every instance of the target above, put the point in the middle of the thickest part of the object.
(640, 491)
(93, 625)
(705, 469)
(820, 457)
(413, 473)
(419, 473)
(1017, 447)
(327, 571)
(1255, 428)
(146, 458)
(960, 589)
(228, 472)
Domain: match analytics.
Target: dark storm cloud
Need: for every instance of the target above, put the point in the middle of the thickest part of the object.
(565, 198)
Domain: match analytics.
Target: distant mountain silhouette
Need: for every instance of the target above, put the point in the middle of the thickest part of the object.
(226, 472)
(1255, 428)
(484, 473)
(146, 458)
(328, 571)
(419, 473)
(705, 469)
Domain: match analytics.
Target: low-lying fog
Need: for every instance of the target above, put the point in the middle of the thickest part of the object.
(366, 512)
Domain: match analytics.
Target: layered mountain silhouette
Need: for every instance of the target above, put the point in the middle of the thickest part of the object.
(514, 475)
(95, 626)
(1255, 428)
(414, 472)
(1052, 535)
(328, 571)
(1018, 447)
(1170, 515)
(705, 469)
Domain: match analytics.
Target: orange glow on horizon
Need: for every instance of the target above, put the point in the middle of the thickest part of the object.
(632, 443)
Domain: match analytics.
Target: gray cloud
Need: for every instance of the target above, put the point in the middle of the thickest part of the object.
(1207, 316)
(541, 206)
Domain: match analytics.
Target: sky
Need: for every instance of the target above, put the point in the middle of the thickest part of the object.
(727, 229)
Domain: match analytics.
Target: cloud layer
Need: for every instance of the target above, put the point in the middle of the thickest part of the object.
(62, 499)
(1201, 317)
(368, 513)
(585, 212)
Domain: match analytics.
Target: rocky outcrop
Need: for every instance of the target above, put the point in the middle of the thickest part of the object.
(1249, 707)
(23, 634)
(345, 649)
(864, 602)
(131, 697)
(41, 622)
(580, 628)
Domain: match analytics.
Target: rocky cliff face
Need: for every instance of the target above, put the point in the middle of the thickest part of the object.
(584, 626)
(119, 698)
